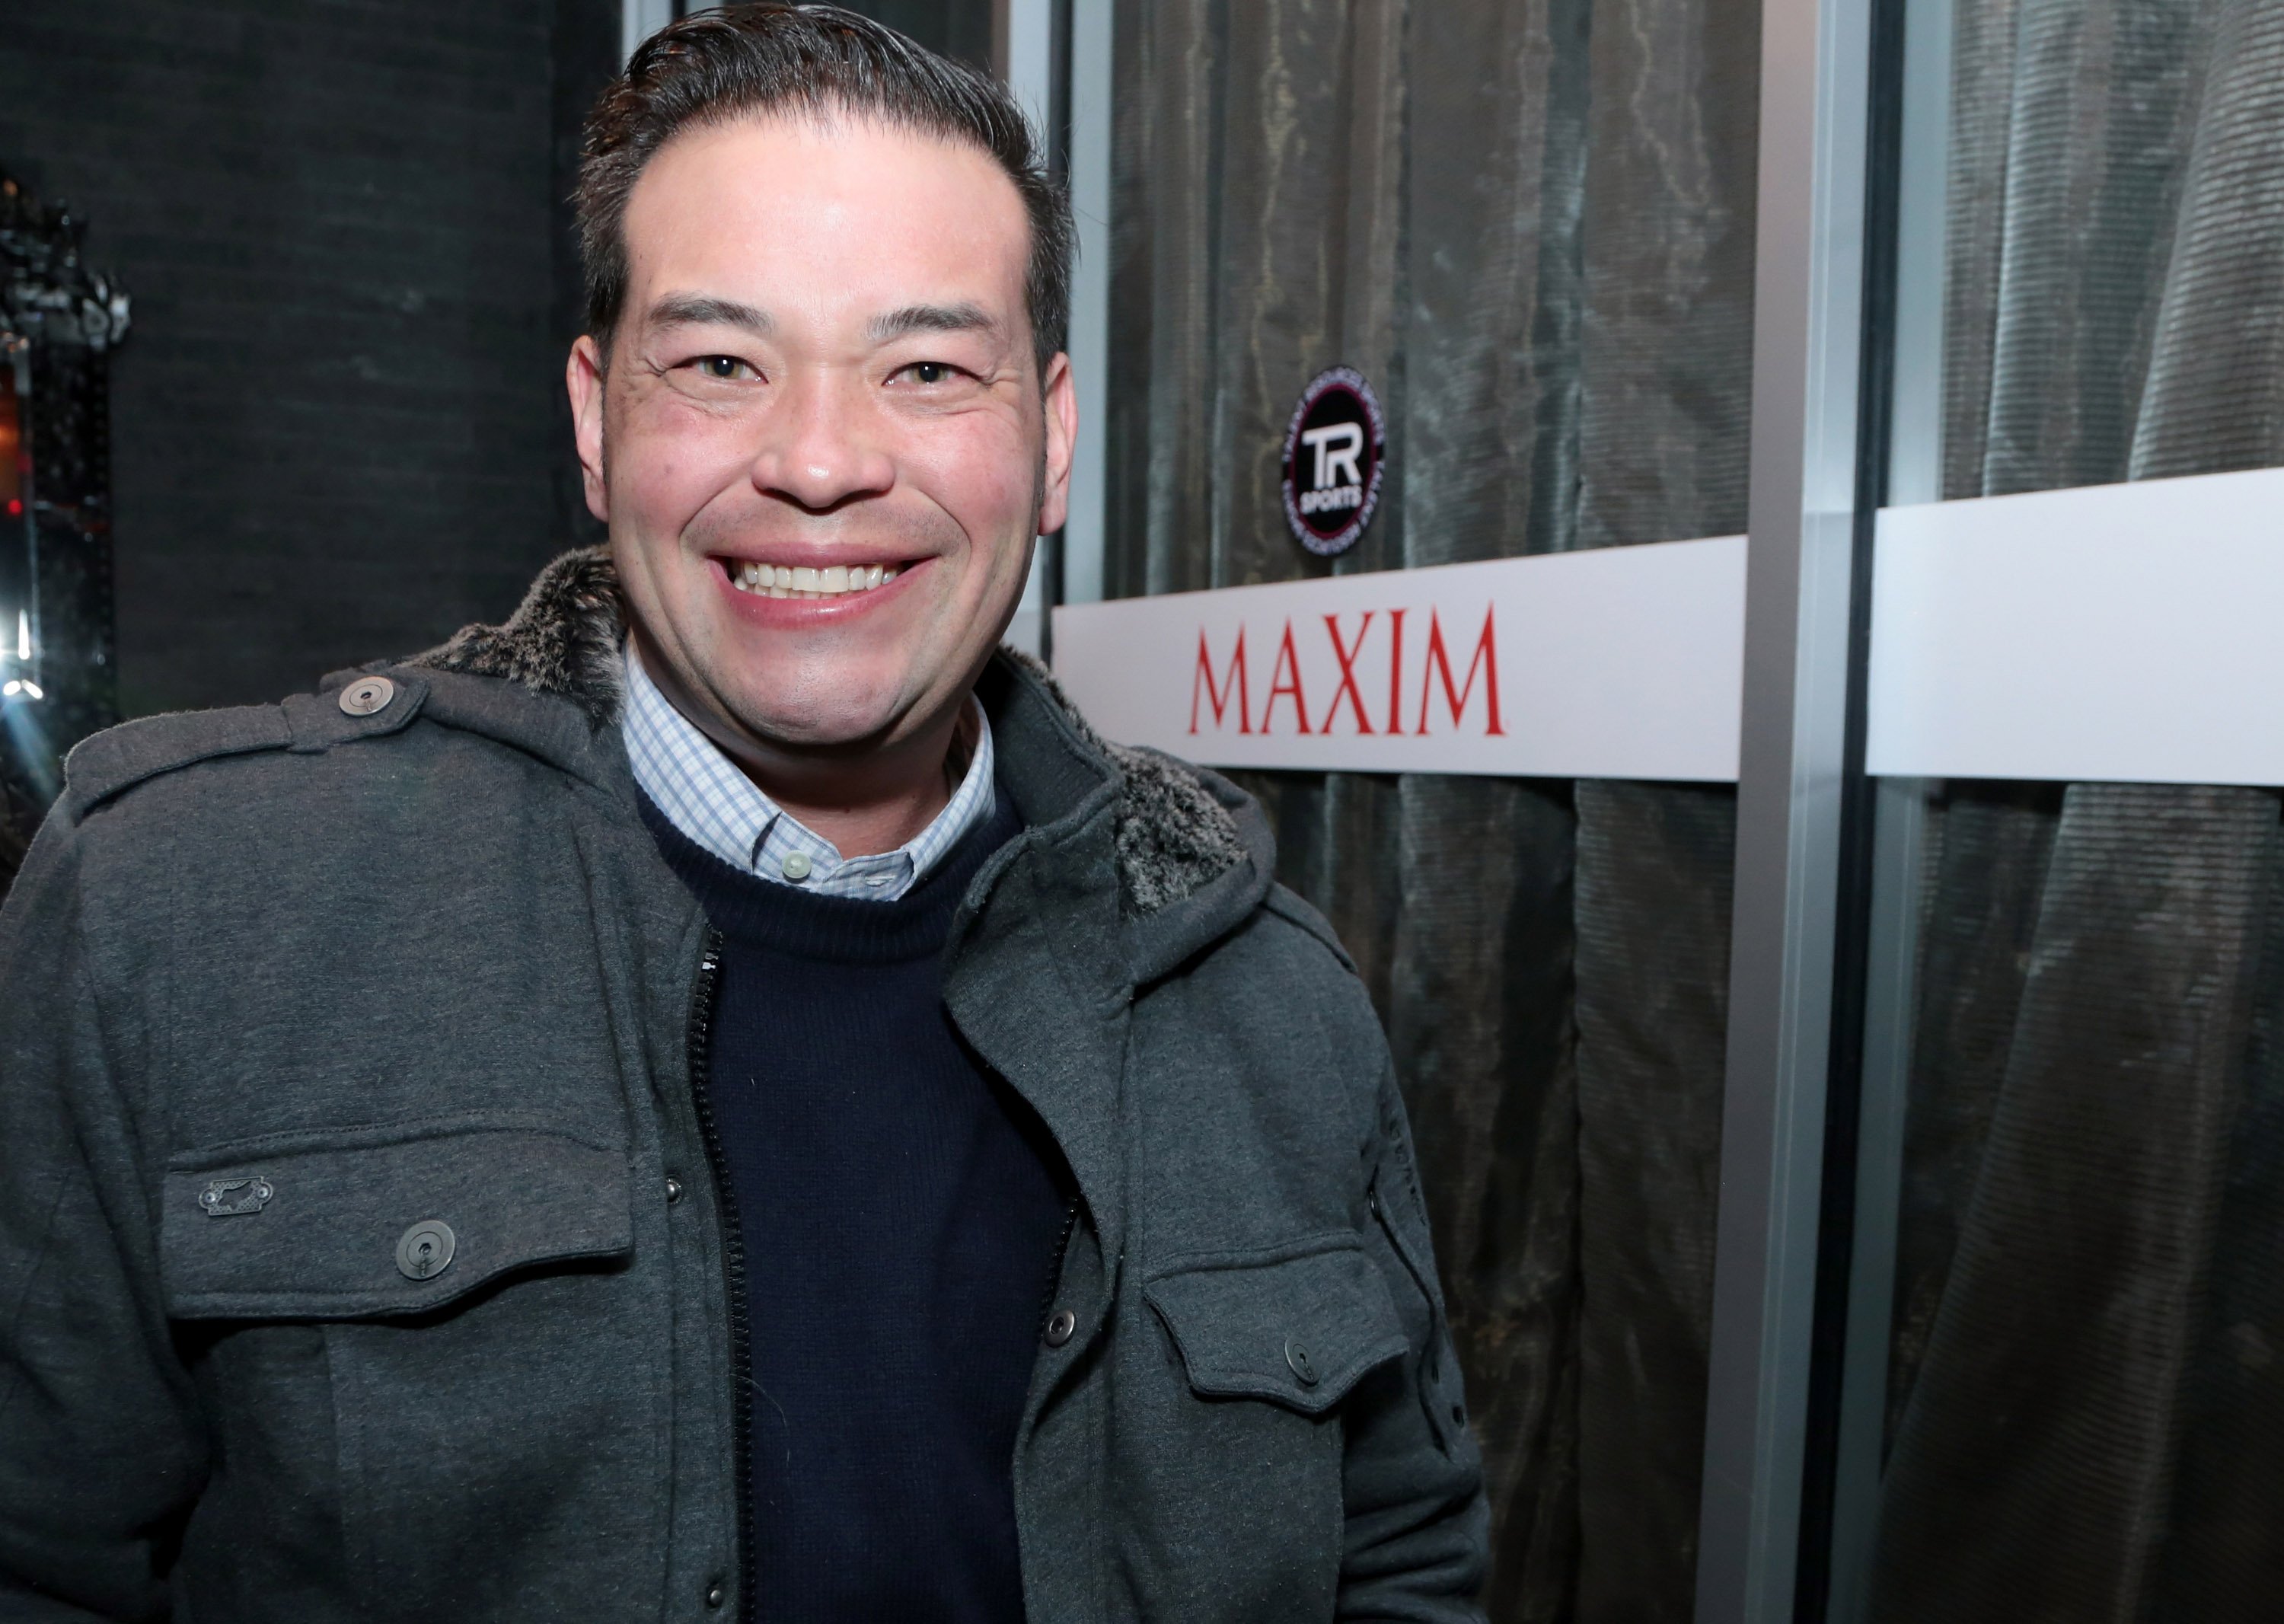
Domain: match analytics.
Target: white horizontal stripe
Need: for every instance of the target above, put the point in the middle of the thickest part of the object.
(1622, 662)
(2123, 633)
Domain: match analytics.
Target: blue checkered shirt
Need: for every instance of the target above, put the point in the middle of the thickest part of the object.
(704, 794)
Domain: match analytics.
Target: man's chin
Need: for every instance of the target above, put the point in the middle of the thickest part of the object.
(836, 729)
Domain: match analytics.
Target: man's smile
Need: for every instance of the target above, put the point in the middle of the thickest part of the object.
(805, 581)
(812, 596)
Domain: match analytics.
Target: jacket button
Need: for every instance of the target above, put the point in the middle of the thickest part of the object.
(367, 695)
(425, 1251)
(673, 1191)
(1303, 1369)
(717, 1593)
(1060, 1323)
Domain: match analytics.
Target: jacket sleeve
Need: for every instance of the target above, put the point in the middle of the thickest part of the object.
(1418, 1527)
(100, 1449)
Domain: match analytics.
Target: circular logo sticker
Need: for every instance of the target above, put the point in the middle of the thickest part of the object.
(1334, 453)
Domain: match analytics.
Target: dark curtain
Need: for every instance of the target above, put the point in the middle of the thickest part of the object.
(1529, 223)
(2087, 1392)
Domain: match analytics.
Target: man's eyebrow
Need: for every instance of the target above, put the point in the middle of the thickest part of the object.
(700, 310)
(932, 318)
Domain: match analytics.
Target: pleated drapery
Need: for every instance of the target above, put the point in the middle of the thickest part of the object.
(2087, 1392)
(1530, 224)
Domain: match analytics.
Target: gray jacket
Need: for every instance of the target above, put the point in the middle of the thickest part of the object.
(280, 986)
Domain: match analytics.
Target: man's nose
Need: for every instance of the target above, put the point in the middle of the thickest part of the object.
(821, 446)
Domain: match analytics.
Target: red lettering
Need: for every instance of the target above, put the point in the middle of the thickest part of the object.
(1486, 659)
(1233, 680)
(1394, 669)
(1347, 657)
(1287, 660)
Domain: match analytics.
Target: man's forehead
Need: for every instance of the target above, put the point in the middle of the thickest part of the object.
(787, 217)
(766, 179)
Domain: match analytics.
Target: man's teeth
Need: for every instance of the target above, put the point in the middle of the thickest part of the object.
(779, 581)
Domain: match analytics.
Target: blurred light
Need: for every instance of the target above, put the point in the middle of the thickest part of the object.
(23, 635)
(15, 507)
(22, 688)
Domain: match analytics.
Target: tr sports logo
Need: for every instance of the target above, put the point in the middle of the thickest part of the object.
(1336, 454)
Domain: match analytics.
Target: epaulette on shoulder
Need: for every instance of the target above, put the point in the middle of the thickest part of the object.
(116, 760)
(119, 758)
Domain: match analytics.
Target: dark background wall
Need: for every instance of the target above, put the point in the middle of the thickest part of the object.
(337, 424)
(958, 28)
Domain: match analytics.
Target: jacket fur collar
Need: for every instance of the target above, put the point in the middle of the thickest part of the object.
(1174, 833)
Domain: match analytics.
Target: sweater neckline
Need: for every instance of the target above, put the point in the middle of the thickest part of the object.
(776, 916)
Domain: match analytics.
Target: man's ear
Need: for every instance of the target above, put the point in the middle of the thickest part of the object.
(1062, 441)
(582, 375)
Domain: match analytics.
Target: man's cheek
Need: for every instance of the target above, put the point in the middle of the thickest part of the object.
(984, 465)
(667, 467)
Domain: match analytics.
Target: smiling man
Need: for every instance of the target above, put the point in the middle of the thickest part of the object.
(721, 1096)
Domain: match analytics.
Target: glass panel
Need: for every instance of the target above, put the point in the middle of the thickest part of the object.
(2112, 292)
(1530, 227)
(2084, 1405)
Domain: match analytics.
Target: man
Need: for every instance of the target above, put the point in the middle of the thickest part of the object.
(720, 1097)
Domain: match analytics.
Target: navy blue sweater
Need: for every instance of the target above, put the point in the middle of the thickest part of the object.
(900, 1208)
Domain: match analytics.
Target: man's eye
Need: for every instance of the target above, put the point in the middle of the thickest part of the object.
(928, 372)
(726, 367)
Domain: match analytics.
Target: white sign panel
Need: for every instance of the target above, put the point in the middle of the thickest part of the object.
(2121, 633)
(1621, 662)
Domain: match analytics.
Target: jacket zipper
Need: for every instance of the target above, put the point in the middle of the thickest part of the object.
(1055, 1264)
(733, 1265)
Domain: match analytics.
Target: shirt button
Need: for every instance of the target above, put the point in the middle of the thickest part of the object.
(1060, 1323)
(795, 865)
(717, 1593)
(1305, 1369)
(673, 1191)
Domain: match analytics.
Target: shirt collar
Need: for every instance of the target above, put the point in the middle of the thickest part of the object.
(706, 796)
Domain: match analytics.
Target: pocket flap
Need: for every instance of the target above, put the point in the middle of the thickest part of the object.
(381, 1220)
(1296, 1325)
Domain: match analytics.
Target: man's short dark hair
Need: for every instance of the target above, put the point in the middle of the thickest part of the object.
(746, 61)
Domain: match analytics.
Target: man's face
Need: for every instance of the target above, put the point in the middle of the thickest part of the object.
(823, 364)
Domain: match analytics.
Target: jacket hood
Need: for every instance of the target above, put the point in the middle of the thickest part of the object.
(1193, 854)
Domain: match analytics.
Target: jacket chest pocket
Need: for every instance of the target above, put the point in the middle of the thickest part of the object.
(449, 1306)
(1244, 1465)
(1298, 1324)
(377, 1221)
